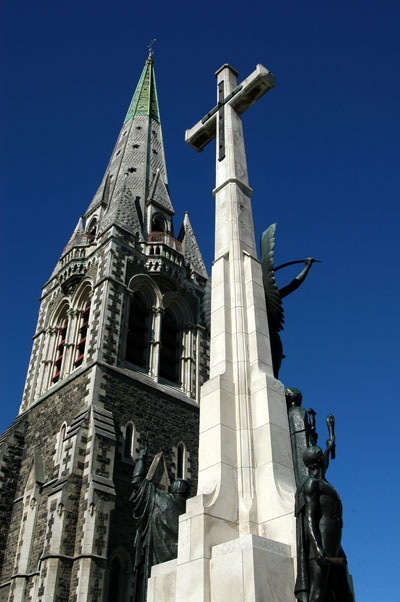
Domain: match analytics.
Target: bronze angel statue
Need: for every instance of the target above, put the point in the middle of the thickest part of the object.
(274, 296)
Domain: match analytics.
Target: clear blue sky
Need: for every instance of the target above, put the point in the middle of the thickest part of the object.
(323, 159)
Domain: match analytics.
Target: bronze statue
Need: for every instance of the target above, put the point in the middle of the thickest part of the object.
(156, 517)
(302, 431)
(322, 574)
(274, 296)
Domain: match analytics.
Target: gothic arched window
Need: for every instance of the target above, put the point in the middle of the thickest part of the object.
(92, 230)
(137, 342)
(82, 334)
(181, 461)
(114, 589)
(60, 346)
(60, 441)
(158, 223)
(120, 576)
(170, 352)
(128, 440)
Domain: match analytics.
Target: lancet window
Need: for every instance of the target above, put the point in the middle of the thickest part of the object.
(181, 461)
(129, 441)
(60, 349)
(158, 223)
(120, 576)
(82, 334)
(170, 351)
(60, 441)
(64, 342)
(159, 337)
(137, 342)
(92, 230)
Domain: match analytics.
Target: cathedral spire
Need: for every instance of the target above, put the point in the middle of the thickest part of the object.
(134, 191)
(145, 101)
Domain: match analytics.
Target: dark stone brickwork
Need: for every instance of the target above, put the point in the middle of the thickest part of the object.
(91, 482)
(43, 423)
(11, 450)
(158, 417)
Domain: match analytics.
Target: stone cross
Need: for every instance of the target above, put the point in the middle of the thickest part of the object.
(236, 99)
(238, 533)
(239, 331)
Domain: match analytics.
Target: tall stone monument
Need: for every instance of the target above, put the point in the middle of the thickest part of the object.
(237, 538)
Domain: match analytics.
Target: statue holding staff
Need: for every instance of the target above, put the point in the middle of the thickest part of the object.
(322, 574)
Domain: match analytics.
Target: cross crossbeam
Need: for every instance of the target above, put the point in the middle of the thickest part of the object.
(240, 98)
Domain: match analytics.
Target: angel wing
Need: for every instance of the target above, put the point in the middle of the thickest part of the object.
(272, 296)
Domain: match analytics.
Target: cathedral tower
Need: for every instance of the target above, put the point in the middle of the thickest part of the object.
(119, 355)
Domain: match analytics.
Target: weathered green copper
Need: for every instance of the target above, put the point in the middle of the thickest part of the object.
(145, 100)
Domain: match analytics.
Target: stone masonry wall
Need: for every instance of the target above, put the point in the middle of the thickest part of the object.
(11, 450)
(43, 424)
(162, 422)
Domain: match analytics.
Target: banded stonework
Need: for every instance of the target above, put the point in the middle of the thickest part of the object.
(118, 358)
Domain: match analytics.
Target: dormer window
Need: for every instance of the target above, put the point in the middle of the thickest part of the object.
(92, 230)
(158, 223)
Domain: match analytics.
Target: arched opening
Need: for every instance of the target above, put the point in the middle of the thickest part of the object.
(60, 345)
(120, 576)
(82, 334)
(170, 348)
(137, 342)
(128, 440)
(60, 441)
(158, 223)
(114, 588)
(92, 230)
(180, 461)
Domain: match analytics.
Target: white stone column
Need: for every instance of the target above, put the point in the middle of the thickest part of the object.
(238, 534)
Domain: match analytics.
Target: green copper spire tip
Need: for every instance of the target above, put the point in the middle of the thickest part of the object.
(145, 101)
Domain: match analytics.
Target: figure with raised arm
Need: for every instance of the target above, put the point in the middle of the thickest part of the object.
(274, 296)
(156, 517)
(324, 576)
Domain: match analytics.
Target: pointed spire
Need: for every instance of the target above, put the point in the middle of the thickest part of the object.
(145, 101)
(190, 248)
(137, 165)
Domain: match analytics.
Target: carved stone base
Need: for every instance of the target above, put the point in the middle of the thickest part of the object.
(246, 569)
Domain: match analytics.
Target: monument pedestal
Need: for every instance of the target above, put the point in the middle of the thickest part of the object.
(251, 569)
(245, 569)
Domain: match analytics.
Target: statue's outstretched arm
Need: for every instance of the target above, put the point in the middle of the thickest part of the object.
(296, 282)
(140, 469)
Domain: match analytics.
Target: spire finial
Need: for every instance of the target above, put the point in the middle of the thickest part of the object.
(150, 46)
